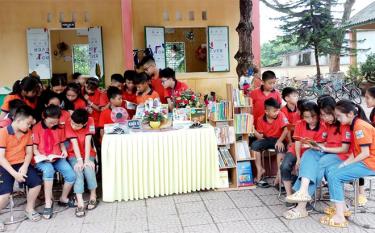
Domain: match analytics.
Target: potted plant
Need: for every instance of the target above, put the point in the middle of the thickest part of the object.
(185, 99)
(154, 118)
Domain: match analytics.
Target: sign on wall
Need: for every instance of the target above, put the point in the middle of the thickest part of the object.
(154, 39)
(218, 49)
(38, 52)
(96, 62)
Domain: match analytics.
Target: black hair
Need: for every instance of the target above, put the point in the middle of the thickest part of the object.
(76, 75)
(75, 87)
(23, 112)
(347, 106)
(26, 84)
(271, 102)
(58, 81)
(130, 75)
(168, 73)
(147, 59)
(267, 75)
(371, 92)
(328, 104)
(141, 78)
(300, 103)
(13, 106)
(288, 91)
(112, 92)
(92, 84)
(118, 78)
(80, 116)
(311, 107)
(52, 111)
(51, 95)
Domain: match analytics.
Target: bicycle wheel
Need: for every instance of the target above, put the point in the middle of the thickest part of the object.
(355, 95)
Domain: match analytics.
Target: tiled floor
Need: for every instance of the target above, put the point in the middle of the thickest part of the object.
(256, 210)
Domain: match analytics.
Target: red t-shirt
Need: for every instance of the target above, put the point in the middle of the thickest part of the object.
(105, 118)
(96, 99)
(79, 103)
(293, 116)
(302, 130)
(177, 90)
(80, 135)
(64, 118)
(131, 97)
(272, 129)
(48, 140)
(8, 98)
(158, 87)
(337, 139)
(258, 99)
(5, 122)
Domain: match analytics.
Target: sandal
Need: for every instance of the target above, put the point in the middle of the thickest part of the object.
(332, 211)
(70, 203)
(92, 204)
(327, 220)
(33, 216)
(298, 197)
(2, 226)
(80, 212)
(294, 214)
(48, 212)
(262, 184)
(362, 200)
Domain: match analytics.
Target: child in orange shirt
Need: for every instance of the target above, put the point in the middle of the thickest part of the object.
(48, 139)
(81, 156)
(115, 99)
(16, 152)
(144, 91)
(360, 164)
(370, 102)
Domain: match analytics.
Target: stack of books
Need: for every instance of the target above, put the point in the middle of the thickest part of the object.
(243, 152)
(239, 99)
(225, 135)
(221, 111)
(244, 123)
(225, 159)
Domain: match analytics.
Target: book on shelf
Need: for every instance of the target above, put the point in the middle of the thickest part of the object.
(244, 123)
(244, 174)
(243, 152)
(239, 99)
(198, 115)
(225, 135)
(225, 158)
(223, 179)
(221, 111)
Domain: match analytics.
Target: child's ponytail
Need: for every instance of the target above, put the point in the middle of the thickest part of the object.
(16, 89)
(361, 113)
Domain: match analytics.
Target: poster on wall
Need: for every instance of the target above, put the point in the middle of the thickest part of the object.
(38, 52)
(96, 62)
(154, 39)
(218, 49)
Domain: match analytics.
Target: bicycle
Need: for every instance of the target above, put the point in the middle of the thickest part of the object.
(351, 91)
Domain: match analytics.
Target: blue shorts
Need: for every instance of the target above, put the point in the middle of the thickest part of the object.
(7, 180)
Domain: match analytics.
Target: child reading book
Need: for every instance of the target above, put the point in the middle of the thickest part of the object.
(16, 152)
(81, 156)
(360, 163)
(74, 97)
(310, 129)
(49, 156)
(172, 87)
(92, 95)
(144, 91)
(270, 134)
(52, 99)
(129, 96)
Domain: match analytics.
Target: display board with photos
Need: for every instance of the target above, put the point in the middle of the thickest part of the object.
(218, 49)
(38, 52)
(155, 40)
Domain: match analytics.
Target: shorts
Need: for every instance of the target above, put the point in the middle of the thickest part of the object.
(7, 180)
(265, 144)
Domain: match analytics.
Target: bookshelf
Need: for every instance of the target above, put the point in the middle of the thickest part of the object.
(237, 116)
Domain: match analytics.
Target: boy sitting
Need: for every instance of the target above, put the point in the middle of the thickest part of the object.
(290, 96)
(259, 95)
(115, 99)
(270, 134)
(144, 91)
(16, 152)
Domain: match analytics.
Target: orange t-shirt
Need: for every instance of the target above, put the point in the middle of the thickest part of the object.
(80, 135)
(48, 140)
(273, 129)
(364, 135)
(8, 98)
(15, 148)
(141, 99)
(158, 87)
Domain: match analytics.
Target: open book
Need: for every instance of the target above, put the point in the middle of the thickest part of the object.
(130, 105)
(307, 141)
(48, 158)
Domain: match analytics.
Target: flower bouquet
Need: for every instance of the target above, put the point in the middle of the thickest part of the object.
(185, 99)
(155, 117)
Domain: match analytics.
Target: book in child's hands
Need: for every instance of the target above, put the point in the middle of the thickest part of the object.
(307, 141)
(48, 158)
(130, 105)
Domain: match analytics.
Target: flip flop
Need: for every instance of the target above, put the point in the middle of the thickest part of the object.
(69, 204)
(80, 212)
(328, 221)
(2, 226)
(48, 212)
(294, 214)
(263, 184)
(92, 204)
(332, 211)
(298, 197)
(33, 216)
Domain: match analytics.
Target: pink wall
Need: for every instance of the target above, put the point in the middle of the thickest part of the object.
(256, 32)
(127, 33)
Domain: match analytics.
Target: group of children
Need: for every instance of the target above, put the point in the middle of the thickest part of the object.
(314, 141)
(59, 128)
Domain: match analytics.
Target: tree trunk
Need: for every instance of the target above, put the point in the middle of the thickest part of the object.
(244, 55)
(334, 63)
(318, 74)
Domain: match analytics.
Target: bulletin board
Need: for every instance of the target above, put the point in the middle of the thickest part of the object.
(96, 55)
(218, 49)
(38, 52)
(155, 39)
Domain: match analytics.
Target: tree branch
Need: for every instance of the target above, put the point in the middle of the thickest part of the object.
(279, 7)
